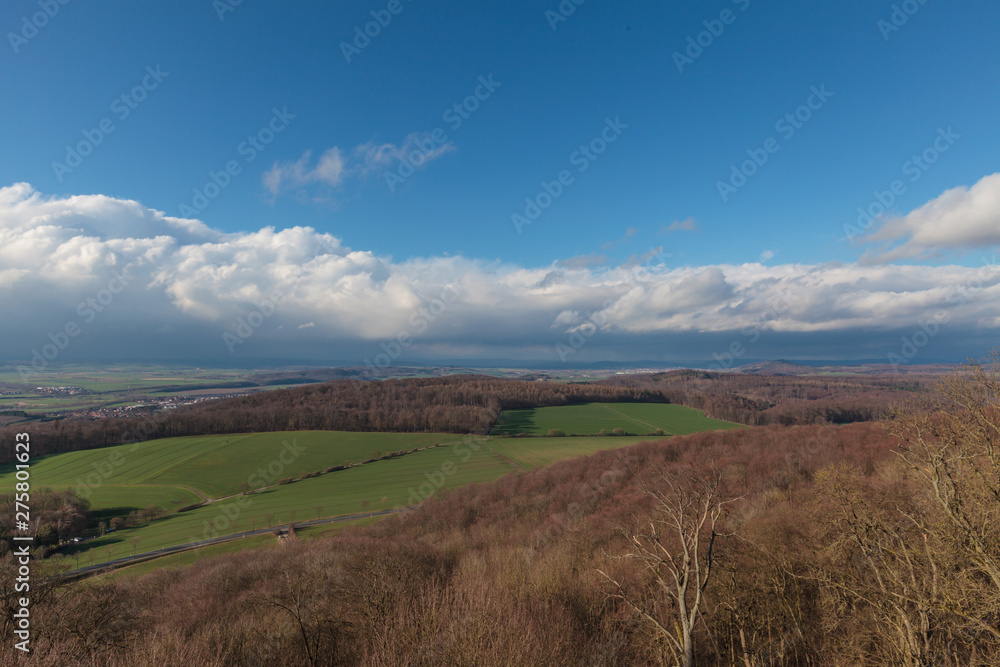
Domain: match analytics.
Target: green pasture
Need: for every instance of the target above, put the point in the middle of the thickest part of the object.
(591, 418)
(212, 465)
(176, 472)
(378, 485)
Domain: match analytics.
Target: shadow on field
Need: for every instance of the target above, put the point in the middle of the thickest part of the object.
(110, 538)
(10, 467)
(109, 513)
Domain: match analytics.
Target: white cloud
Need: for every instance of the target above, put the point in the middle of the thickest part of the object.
(188, 284)
(418, 149)
(282, 177)
(685, 225)
(767, 255)
(959, 219)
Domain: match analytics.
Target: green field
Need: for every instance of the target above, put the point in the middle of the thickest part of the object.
(168, 472)
(387, 483)
(215, 466)
(177, 472)
(591, 418)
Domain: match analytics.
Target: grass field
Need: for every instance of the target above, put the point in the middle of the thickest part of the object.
(175, 472)
(591, 418)
(212, 465)
(381, 484)
(197, 463)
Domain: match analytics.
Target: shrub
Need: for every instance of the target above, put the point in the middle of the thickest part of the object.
(618, 431)
(556, 432)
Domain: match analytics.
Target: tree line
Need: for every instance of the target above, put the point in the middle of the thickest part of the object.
(472, 404)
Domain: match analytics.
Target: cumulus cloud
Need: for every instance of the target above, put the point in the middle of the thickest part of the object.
(767, 255)
(962, 218)
(186, 285)
(334, 166)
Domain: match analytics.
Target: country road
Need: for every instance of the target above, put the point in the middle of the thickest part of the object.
(149, 555)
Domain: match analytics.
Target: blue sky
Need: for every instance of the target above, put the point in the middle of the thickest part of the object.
(680, 132)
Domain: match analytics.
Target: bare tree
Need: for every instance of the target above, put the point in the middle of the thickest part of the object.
(882, 563)
(679, 551)
(952, 445)
(307, 604)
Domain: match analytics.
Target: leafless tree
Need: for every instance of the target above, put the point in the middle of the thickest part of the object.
(679, 550)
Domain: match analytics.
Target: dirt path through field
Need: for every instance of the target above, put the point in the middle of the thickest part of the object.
(503, 458)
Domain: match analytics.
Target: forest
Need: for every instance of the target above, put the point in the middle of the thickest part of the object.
(874, 543)
(472, 404)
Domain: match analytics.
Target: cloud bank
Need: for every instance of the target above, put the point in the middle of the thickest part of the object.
(140, 284)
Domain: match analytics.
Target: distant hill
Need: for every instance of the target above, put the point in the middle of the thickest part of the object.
(778, 367)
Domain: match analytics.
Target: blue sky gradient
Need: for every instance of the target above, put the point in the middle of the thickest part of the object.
(898, 74)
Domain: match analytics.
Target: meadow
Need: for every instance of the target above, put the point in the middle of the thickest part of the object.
(211, 466)
(381, 484)
(591, 418)
(216, 471)
(178, 472)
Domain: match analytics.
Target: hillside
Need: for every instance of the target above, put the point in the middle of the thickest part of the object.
(509, 572)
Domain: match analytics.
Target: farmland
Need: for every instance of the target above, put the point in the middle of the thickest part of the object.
(215, 466)
(177, 472)
(335, 473)
(385, 483)
(591, 418)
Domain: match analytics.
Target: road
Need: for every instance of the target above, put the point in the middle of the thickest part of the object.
(149, 555)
